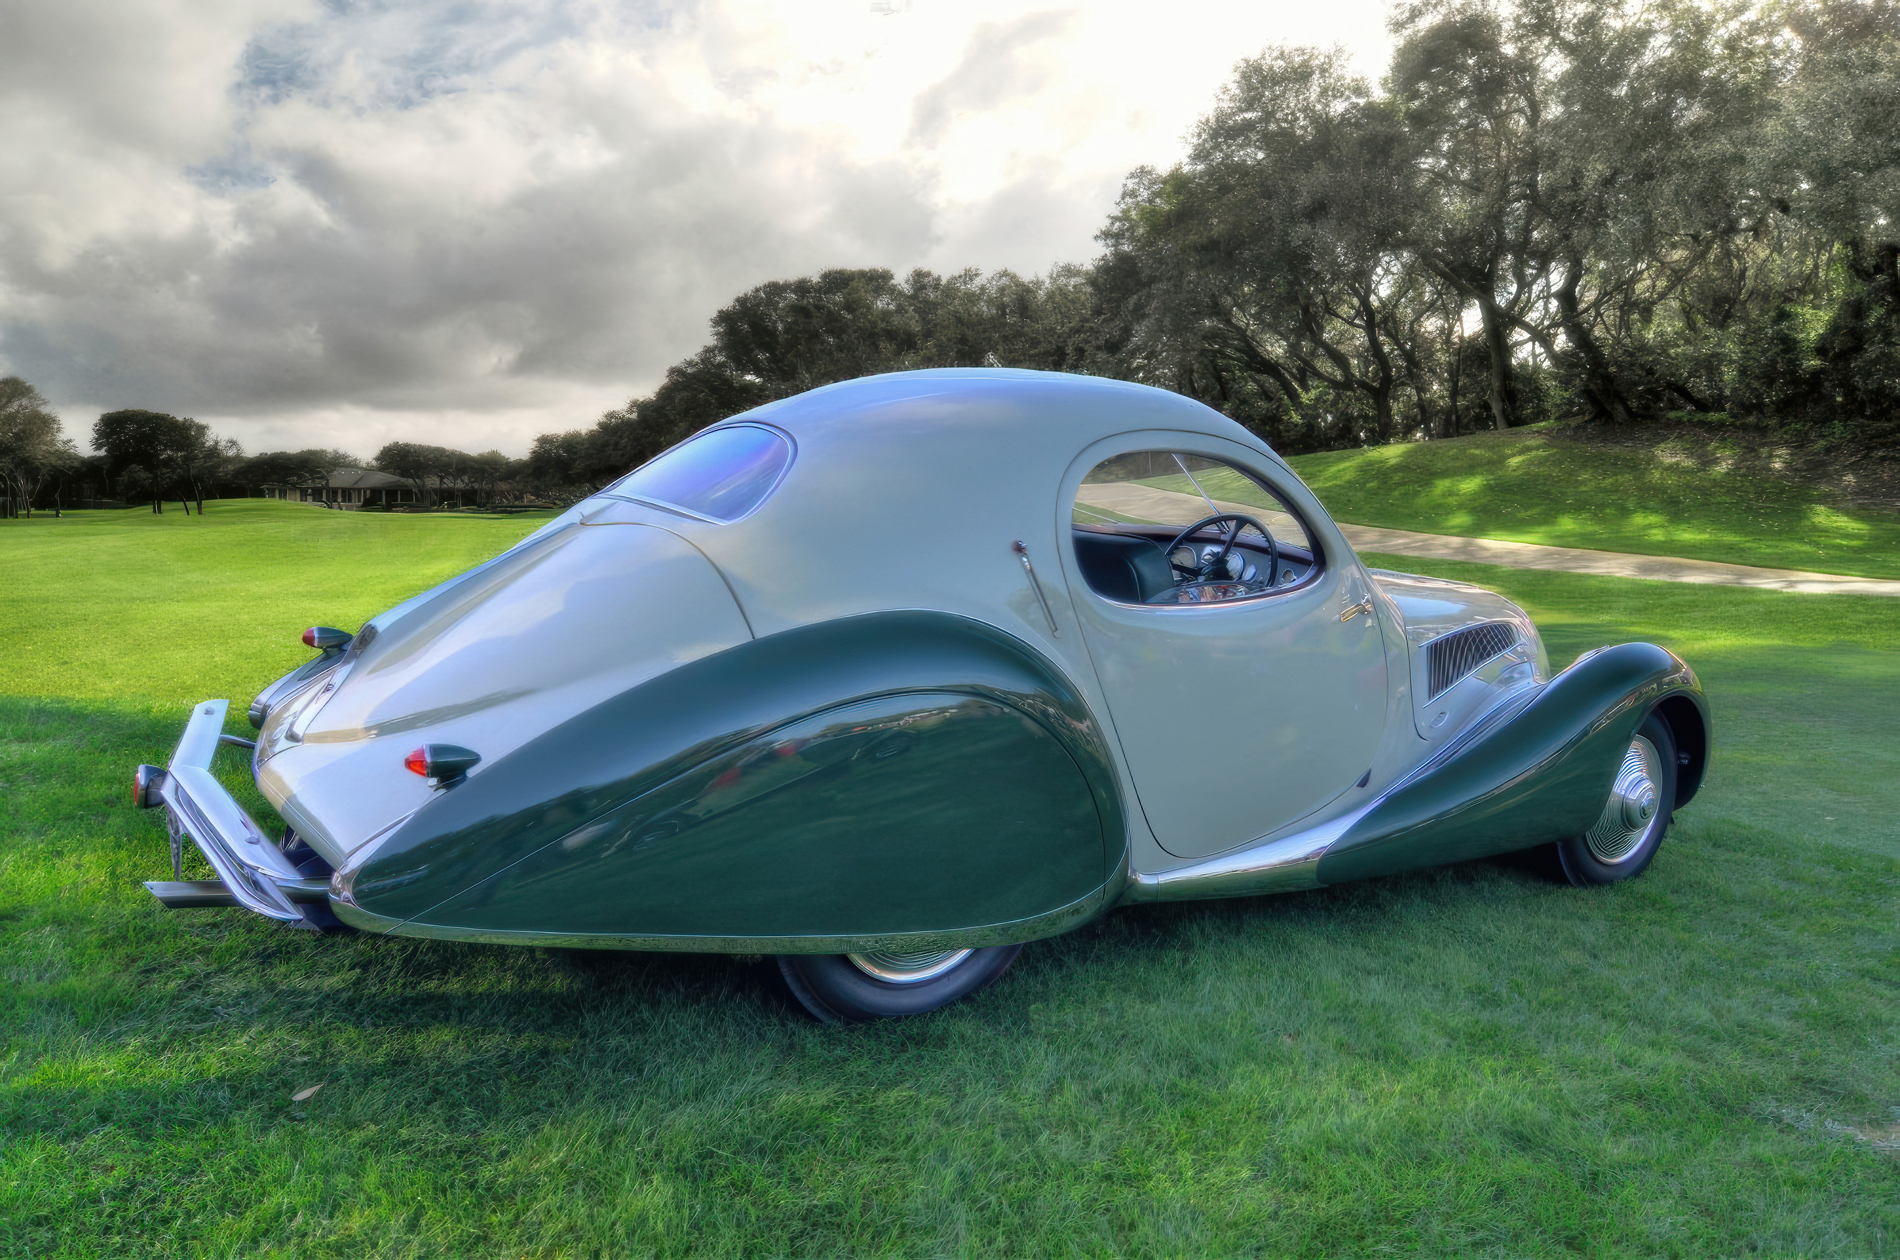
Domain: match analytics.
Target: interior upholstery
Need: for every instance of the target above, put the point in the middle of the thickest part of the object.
(1123, 567)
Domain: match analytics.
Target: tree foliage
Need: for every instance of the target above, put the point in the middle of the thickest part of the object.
(788, 336)
(436, 470)
(1597, 208)
(32, 448)
(1609, 209)
(304, 469)
(173, 456)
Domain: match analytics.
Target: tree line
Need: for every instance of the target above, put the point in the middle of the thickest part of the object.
(1628, 213)
(155, 458)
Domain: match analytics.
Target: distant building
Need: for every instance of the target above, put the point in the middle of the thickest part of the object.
(349, 489)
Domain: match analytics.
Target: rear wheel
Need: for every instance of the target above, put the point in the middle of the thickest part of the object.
(1625, 837)
(854, 988)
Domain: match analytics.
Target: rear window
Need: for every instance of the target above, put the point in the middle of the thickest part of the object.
(721, 475)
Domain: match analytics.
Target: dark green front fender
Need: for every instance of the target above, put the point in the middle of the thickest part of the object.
(1540, 776)
(875, 776)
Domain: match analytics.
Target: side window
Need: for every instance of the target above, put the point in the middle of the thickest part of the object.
(720, 475)
(1162, 528)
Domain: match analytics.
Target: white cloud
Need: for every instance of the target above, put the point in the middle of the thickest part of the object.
(469, 221)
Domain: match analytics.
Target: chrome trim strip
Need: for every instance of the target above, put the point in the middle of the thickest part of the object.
(342, 888)
(249, 866)
(1021, 549)
(1288, 864)
(362, 920)
(292, 682)
(1052, 923)
(658, 506)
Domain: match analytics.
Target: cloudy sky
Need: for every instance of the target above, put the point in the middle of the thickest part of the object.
(342, 222)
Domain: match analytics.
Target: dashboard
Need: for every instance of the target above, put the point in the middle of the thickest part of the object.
(1130, 564)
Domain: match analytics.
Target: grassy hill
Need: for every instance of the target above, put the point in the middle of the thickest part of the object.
(1701, 499)
(1464, 1061)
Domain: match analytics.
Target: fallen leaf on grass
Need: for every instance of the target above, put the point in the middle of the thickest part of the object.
(306, 1094)
(1881, 1138)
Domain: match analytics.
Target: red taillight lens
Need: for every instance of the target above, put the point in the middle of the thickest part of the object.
(446, 763)
(326, 637)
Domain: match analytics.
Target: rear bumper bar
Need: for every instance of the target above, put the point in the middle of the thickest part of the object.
(252, 871)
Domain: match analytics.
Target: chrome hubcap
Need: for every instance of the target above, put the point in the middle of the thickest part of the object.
(1632, 807)
(894, 966)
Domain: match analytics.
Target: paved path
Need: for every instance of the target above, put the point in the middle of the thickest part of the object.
(1609, 563)
(1132, 501)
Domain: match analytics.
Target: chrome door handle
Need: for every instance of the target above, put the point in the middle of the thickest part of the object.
(1363, 606)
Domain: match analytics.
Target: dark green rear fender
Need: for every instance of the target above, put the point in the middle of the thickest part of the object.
(1540, 776)
(876, 776)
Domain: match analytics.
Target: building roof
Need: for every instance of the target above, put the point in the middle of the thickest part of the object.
(363, 479)
(352, 479)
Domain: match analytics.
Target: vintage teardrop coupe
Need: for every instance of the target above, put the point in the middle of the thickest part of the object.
(894, 676)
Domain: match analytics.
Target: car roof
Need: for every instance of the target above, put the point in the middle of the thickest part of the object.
(907, 490)
(1051, 414)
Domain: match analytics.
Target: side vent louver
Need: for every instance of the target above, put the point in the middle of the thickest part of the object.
(1459, 653)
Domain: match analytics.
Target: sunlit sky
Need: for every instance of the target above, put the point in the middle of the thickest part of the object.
(341, 222)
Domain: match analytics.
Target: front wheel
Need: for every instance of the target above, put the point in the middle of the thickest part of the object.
(854, 988)
(1626, 836)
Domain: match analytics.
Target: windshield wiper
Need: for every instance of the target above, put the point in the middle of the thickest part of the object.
(1211, 505)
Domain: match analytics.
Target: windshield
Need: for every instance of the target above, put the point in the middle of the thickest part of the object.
(721, 475)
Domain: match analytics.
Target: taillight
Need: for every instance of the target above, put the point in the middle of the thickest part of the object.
(447, 764)
(145, 783)
(325, 638)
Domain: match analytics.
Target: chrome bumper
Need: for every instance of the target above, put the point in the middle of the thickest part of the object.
(253, 871)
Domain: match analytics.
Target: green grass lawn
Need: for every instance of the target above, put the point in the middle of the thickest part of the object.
(1470, 1061)
(1676, 499)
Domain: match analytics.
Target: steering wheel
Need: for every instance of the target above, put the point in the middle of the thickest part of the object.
(1215, 570)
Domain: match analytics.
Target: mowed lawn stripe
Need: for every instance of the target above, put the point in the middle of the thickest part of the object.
(1466, 1061)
